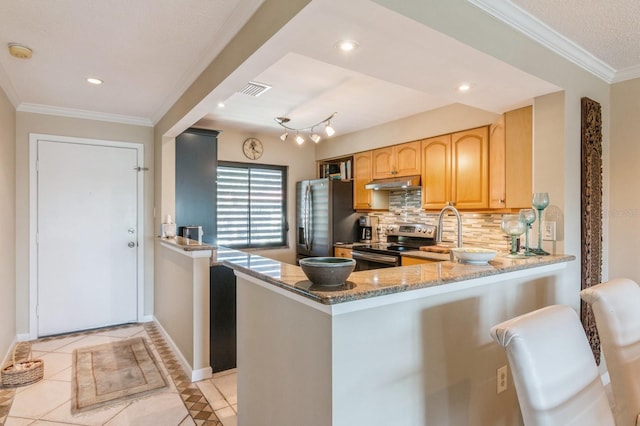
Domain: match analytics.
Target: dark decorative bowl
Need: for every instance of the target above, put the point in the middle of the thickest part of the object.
(327, 271)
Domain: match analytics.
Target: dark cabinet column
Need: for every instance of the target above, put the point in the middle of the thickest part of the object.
(223, 319)
(196, 162)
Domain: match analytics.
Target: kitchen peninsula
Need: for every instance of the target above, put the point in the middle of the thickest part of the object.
(401, 346)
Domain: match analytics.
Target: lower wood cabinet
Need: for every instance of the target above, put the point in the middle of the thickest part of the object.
(342, 252)
(407, 261)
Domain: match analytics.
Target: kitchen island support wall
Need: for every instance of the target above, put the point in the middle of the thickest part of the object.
(415, 358)
(182, 305)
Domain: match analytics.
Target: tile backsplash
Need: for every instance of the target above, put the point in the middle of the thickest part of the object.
(478, 229)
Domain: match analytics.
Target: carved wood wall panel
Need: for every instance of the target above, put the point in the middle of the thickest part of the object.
(591, 203)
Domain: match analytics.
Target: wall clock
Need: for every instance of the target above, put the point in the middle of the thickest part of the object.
(252, 148)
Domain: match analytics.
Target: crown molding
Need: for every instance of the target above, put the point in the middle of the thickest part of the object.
(83, 114)
(628, 73)
(537, 30)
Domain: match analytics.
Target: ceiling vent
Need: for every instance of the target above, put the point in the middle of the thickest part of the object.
(253, 88)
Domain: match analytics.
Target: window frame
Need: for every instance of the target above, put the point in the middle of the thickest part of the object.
(284, 227)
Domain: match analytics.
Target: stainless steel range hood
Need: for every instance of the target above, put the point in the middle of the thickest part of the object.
(390, 184)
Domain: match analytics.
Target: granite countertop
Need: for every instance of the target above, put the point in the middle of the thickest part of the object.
(186, 244)
(366, 284)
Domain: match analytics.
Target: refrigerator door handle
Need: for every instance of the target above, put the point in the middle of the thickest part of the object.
(309, 220)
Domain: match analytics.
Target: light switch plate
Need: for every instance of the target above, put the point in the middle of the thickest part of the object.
(548, 231)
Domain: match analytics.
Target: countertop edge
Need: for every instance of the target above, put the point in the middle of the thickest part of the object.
(187, 247)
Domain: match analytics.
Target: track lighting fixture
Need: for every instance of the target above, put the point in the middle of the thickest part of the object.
(314, 136)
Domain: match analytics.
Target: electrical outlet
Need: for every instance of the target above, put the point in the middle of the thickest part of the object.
(548, 231)
(502, 379)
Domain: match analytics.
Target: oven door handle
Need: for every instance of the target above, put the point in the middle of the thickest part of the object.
(381, 258)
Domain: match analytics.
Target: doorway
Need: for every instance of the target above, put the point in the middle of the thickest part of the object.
(86, 252)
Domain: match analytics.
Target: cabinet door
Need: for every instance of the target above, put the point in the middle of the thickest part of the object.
(361, 177)
(407, 159)
(470, 168)
(497, 162)
(407, 261)
(383, 163)
(519, 158)
(510, 160)
(342, 252)
(436, 172)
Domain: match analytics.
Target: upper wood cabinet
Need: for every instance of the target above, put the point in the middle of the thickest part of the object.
(497, 170)
(511, 147)
(455, 168)
(470, 168)
(436, 172)
(366, 199)
(396, 161)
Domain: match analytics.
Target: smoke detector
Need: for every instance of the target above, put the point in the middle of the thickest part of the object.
(19, 51)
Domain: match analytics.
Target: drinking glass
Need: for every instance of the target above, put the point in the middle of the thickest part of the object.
(540, 202)
(528, 217)
(514, 226)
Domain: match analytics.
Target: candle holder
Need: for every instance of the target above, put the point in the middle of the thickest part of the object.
(540, 202)
(528, 216)
(513, 226)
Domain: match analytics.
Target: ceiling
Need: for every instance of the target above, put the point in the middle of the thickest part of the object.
(149, 51)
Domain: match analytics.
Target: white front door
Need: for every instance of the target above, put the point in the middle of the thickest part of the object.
(87, 235)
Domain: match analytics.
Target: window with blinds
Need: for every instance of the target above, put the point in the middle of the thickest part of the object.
(252, 205)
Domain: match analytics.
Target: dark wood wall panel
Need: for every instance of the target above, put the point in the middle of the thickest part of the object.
(591, 238)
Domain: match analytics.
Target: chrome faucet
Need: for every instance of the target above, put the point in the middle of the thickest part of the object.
(441, 216)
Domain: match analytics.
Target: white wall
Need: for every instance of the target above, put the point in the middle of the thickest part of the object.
(7, 224)
(623, 214)
(27, 123)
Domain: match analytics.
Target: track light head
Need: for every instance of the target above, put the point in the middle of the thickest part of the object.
(315, 137)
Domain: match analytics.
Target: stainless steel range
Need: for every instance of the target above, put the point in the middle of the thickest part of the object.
(387, 255)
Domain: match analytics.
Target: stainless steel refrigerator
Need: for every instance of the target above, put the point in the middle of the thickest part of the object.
(324, 216)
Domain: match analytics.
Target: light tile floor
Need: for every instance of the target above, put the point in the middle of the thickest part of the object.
(210, 402)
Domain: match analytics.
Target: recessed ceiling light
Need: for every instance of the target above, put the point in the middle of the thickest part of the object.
(220, 104)
(19, 51)
(464, 87)
(347, 45)
(94, 80)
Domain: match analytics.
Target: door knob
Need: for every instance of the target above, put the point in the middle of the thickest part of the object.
(131, 244)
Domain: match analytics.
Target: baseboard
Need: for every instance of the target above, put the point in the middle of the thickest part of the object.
(24, 337)
(200, 374)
